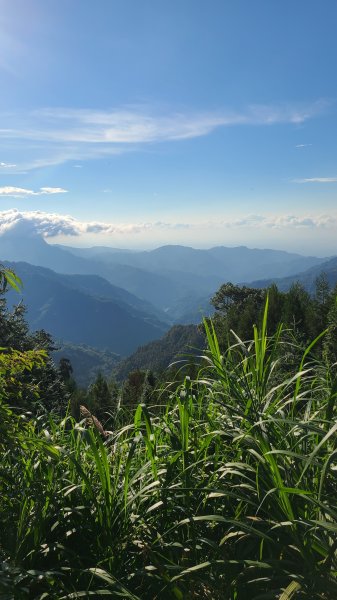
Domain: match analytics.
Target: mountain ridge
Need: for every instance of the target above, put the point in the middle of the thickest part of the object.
(166, 277)
(55, 303)
(306, 278)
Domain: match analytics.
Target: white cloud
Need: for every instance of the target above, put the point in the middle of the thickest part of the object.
(52, 224)
(51, 190)
(60, 135)
(4, 165)
(316, 180)
(18, 192)
(302, 145)
(129, 126)
(282, 222)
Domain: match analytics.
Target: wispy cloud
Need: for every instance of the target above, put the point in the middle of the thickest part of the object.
(129, 126)
(316, 180)
(302, 145)
(4, 165)
(18, 192)
(60, 135)
(283, 221)
(51, 224)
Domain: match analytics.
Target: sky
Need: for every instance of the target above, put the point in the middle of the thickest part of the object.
(139, 123)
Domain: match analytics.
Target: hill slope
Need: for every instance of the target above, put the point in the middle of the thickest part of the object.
(157, 355)
(86, 362)
(68, 308)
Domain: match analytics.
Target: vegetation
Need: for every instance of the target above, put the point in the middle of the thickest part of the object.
(86, 361)
(239, 308)
(158, 355)
(36, 385)
(221, 486)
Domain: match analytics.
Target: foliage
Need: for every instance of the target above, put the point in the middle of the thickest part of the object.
(138, 388)
(239, 308)
(233, 295)
(101, 398)
(28, 373)
(228, 493)
(8, 278)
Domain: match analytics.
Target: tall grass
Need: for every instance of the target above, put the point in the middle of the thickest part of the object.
(228, 492)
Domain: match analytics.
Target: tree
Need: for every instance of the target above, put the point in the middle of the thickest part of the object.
(100, 398)
(330, 341)
(40, 385)
(230, 294)
(276, 301)
(238, 308)
(138, 387)
(299, 312)
(323, 299)
(65, 370)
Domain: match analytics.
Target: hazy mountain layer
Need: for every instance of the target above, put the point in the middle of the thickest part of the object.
(68, 308)
(307, 278)
(232, 264)
(187, 276)
(158, 289)
(166, 277)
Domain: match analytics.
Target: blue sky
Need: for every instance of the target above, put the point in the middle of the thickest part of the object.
(136, 123)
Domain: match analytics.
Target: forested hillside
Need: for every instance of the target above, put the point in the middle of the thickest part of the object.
(180, 342)
(86, 362)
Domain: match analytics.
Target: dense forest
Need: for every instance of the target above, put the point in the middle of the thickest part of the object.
(214, 479)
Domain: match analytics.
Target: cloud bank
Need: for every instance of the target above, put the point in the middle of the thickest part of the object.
(53, 224)
(50, 225)
(283, 222)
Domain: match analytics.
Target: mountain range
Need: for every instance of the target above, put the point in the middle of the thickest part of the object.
(110, 301)
(174, 279)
